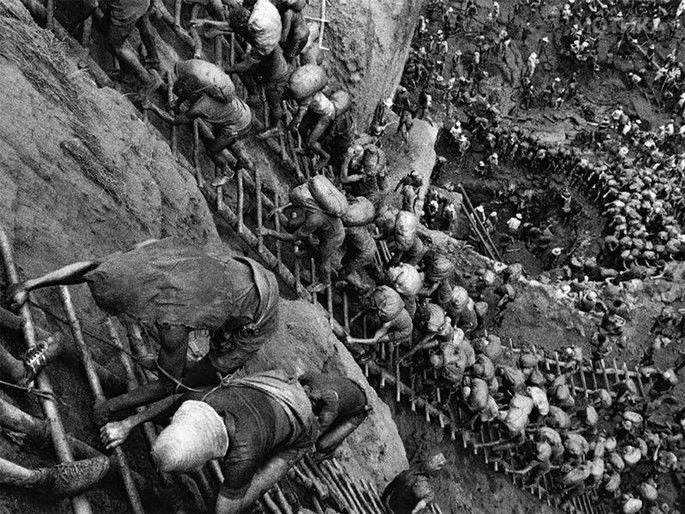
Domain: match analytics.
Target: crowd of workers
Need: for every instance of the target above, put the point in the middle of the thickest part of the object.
(417, 306)
(633, 175)
(596, 33)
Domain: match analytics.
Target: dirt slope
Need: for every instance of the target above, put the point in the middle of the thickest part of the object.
(369, 42)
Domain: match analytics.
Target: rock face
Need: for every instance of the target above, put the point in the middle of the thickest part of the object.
(81, 173)
(82, 176)
(369, 42)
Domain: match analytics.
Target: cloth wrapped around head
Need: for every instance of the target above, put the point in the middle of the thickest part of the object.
(196, 435)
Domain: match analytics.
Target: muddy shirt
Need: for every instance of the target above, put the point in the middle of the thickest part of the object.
(235, 114)
(406, 490)
(334, 398)
(360, 239)
(167, 283)
(401, 328)
(329, 230)
(258, 427)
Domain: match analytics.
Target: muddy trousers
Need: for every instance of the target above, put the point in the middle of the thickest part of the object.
(233, 142)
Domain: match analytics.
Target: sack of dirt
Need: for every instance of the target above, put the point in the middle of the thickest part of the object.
(385, 220)
(558, 418)
(330, 199)
(439, 269)
(406, 279)
(516, 420)
(512, 378)
(435, 318)
(478, 399)
(519, 401)
(483, 368)
(360, 212)
(490, 346)
(194, 76)
(406, 227)
(387, 302)
(301, 196)
(307, 80)
(342, 101)
(264, 27)
(576, 475)
(539, 400)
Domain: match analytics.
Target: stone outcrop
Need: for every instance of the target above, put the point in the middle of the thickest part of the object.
(369, 42)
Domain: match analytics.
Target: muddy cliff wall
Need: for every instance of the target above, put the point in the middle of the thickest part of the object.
(82, 176)
(369, 41)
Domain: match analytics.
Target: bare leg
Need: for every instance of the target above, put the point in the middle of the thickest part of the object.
(147, 37)
(335, 436)
(264, 480)
(315, 135)
(129, 58)
(235, 146)
(11, 369)
(13, 474)
(239, 149)
(216, 9)
(171, 363)
(67, 479)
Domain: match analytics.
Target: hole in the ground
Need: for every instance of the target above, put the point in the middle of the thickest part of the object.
(557, 222)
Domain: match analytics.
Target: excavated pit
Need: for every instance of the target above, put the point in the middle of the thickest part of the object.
(513, 189)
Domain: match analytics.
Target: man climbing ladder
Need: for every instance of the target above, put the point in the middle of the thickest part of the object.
(172, 290)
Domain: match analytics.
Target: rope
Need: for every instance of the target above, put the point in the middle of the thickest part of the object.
(46, 395)
(179, 384)
(63, 321)
(223, 382)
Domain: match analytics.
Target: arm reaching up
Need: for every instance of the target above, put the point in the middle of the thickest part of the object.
(113, 434)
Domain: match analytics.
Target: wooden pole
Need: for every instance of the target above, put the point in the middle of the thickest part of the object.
(241, 203)
(79, 503)
(149, 430)
(260, 221)
(174, 128)
(99, 395)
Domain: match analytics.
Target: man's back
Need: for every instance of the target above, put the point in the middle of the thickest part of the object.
(328, 229)
(168, 283)
(351, 398)
(235, 113)
(265, 415)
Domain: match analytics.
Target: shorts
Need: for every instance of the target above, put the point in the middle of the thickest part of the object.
(229, 352)
(231, 132)
(122, 17)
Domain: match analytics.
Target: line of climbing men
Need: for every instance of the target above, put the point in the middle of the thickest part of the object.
(174, 290)
(256, 426)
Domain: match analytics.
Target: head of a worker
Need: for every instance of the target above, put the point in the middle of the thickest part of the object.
(196, 435)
